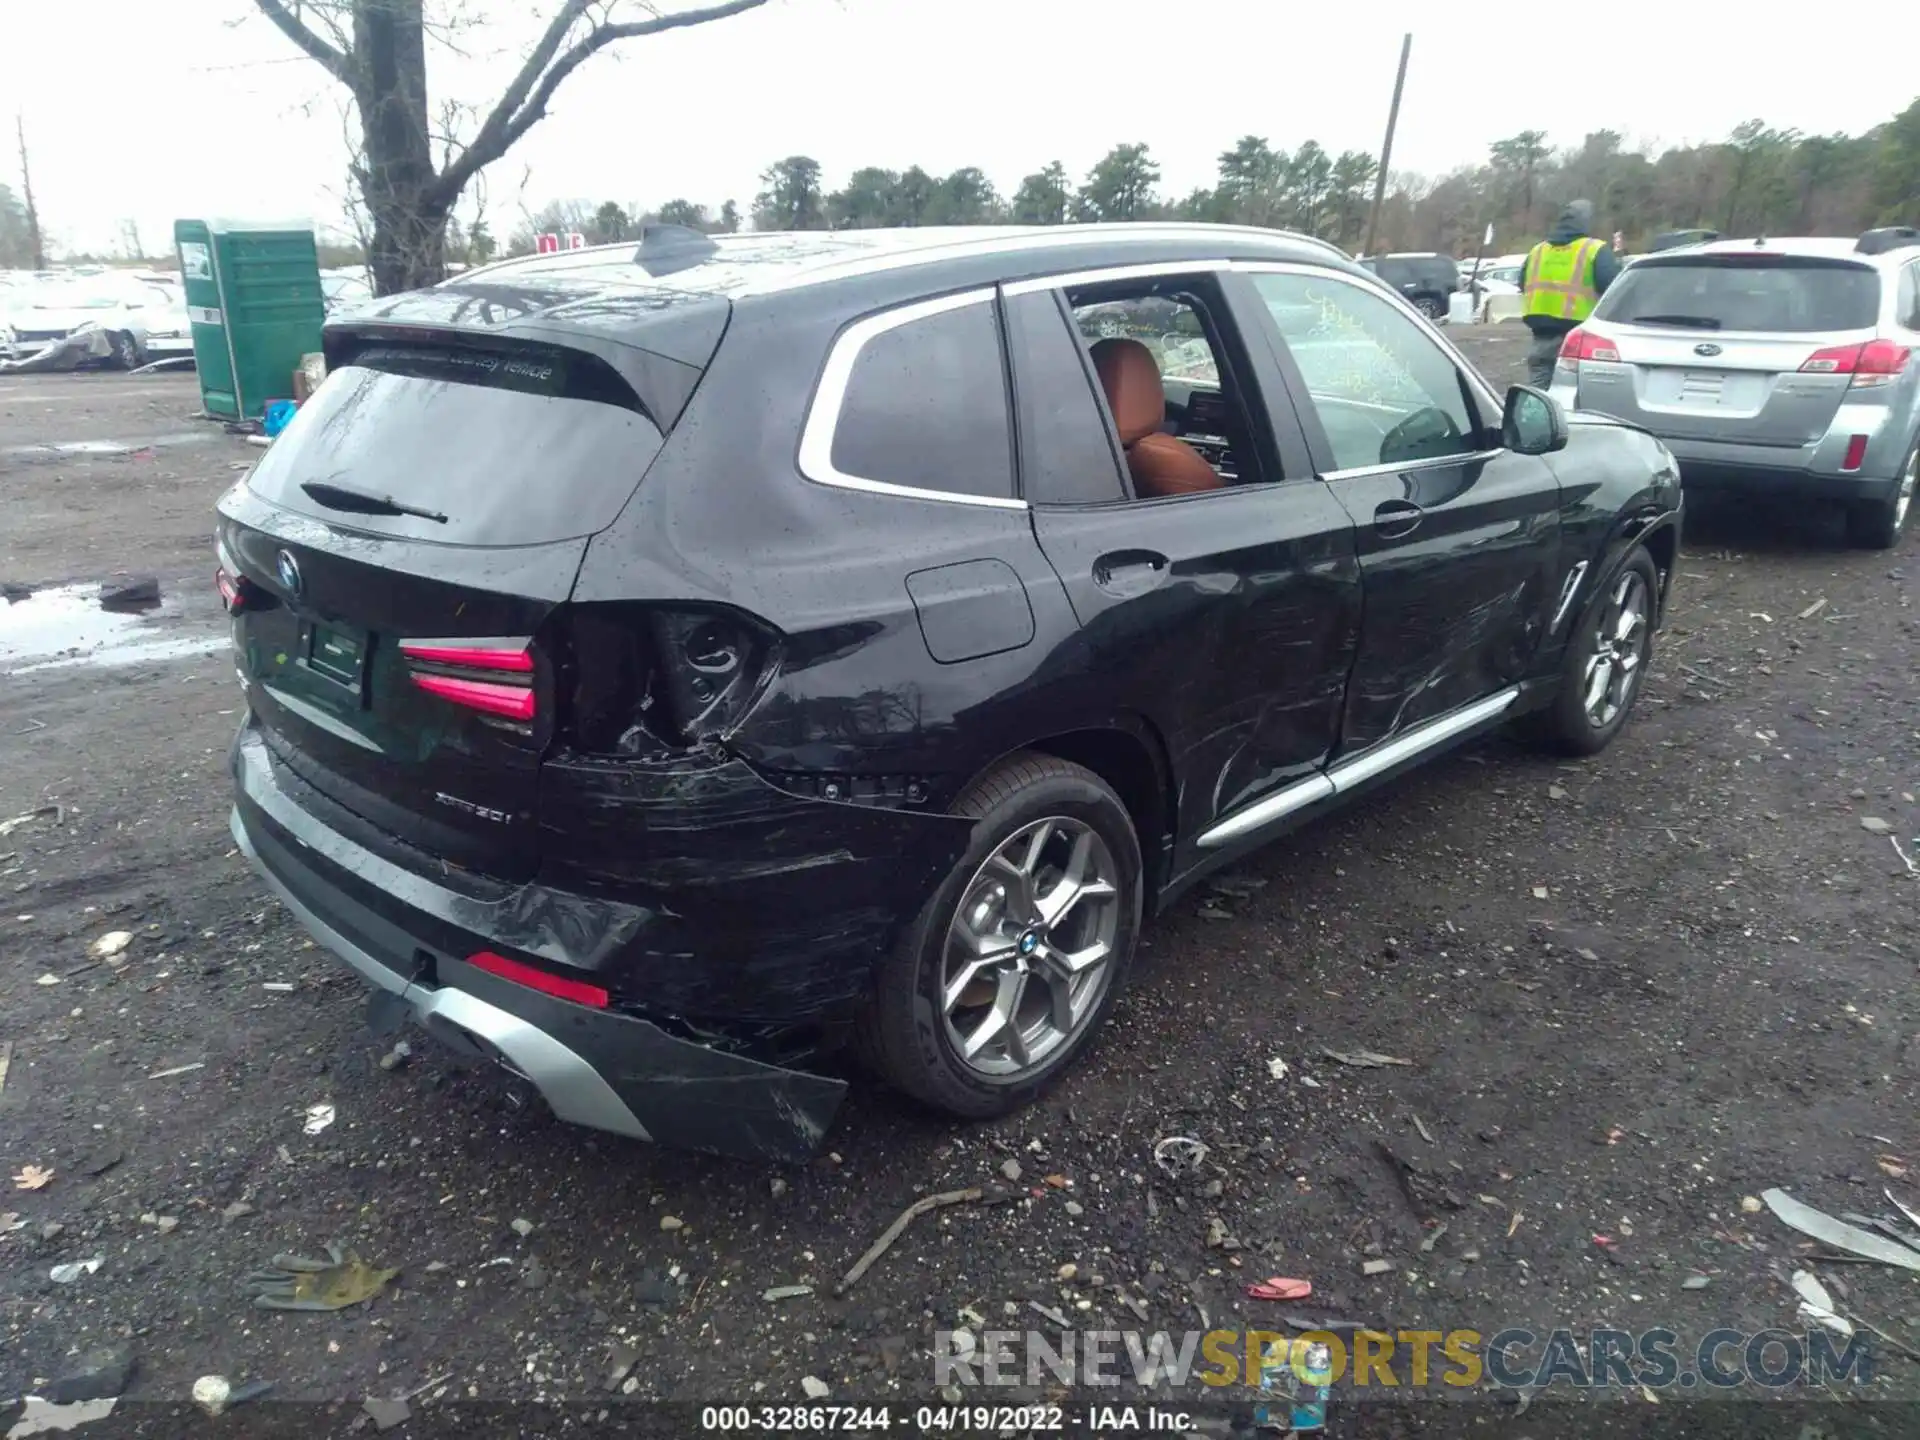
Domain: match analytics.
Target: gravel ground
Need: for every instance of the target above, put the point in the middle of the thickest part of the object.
(1634, 991)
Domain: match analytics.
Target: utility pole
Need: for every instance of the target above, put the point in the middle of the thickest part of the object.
(1386, 150)
(26, 185)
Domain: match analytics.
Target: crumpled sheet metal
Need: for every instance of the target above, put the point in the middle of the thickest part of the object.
(68, 354)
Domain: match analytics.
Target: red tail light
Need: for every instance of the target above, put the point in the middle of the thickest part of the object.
(231, 595)
(1585, 345)
(1876, 363)
(473, 674)
(558, 986)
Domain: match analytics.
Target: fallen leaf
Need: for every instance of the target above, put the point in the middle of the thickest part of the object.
(1514, 1224)
(1892, 1166)
(1058, 1182)
(32, 1177)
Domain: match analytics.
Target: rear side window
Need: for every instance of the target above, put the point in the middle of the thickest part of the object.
(926, 407)
(1066, 451)
(494, 448)
(1735, 292)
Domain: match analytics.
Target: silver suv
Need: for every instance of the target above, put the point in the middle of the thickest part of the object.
(1768, 366)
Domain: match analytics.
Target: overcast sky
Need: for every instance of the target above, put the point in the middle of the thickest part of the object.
(153, 109)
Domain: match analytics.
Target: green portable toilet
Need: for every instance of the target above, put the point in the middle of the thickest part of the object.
(253, 295)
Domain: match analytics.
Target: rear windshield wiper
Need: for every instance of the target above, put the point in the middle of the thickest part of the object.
(358, 502)
(1690, 322)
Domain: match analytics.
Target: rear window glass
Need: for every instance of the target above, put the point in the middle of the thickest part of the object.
(926, 407)
(1771, 293)
(510, 449)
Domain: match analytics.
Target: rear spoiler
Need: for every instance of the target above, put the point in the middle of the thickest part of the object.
(657, 342)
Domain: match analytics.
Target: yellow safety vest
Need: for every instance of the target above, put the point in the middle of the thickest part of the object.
(1558, 280)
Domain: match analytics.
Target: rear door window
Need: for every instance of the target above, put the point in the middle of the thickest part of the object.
(1067, 455)
(493, 448)
(926, 407)
(1772, 293)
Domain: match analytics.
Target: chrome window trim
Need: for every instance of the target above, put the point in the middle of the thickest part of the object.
(1148, 271)
(1350, 773)
(1412, 467)
(823, 414)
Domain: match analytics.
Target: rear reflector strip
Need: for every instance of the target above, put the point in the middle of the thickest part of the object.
(515, 702)
(473, 657)
(1856, 452)
(558, 986)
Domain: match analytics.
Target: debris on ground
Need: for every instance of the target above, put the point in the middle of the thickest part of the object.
(787, 1292)
(1376, 1267)
(55, 812)
(1696, 1282)
(297, 1283)
(397, 1056)
(385, 1414)
(137, 593)
(1277, 1068)
(42, 1417)
(1898, 1205)
(1050, 1313)
(33, 1177)
(973, 1195)
(1874, 825)
(319, 1117)
(522, 1228)
(1432, 1238)
(1421, 1126)
(1816, 1305)
(814, 1388)
(211, 1393)
(620, 1365)
(1179, 1155)
(6, 1061)
(178, 1070)
(1280, 1287)
(110, 944)
(1363, 1059)
(72, 1270)
(99, 1374)
(670, 1223)
(1010, 1169)
(1837, 1233)
(101, 1161)
(1812, 610)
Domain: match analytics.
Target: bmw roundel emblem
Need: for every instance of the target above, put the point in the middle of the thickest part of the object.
(1708, 348)
(288, 569)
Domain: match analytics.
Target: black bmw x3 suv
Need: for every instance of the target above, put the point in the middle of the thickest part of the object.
(668, 665)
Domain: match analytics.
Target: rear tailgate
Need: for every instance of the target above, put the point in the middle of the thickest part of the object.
(395, 565)
(1717, 346)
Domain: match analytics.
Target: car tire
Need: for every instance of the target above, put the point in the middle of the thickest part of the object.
(126, 350)
(1592, 701)
(1879, 524)
(941, 989)
(1434, 309)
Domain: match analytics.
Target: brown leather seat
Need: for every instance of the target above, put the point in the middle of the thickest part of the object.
(1161, 464)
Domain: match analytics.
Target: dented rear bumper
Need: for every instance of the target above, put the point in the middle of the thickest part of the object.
(408, 935)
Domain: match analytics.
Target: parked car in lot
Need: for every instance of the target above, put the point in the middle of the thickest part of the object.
(125, 313)
(1425, 279)
(1770, 367)
(665, 666)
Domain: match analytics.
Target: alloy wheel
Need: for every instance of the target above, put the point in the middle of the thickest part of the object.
(1030, 950)
(1619, 651)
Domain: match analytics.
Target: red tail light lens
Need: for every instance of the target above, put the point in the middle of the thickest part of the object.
(1585, 345)
(470, 657)
(1876, 363)
(231, 595)
(514, 702)
(558, 986)
(474, 674)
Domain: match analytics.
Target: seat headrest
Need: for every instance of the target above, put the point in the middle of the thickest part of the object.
(1132, 381)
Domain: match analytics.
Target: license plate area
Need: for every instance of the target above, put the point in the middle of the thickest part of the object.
(337, 654)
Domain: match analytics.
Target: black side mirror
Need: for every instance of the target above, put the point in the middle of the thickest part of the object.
(1533, 423)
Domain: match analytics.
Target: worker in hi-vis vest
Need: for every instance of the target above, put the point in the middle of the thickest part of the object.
(1565, 276)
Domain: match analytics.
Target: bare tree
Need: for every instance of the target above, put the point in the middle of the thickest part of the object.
(377, 50)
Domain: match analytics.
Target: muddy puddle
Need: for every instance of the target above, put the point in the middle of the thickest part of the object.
(66, 625)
